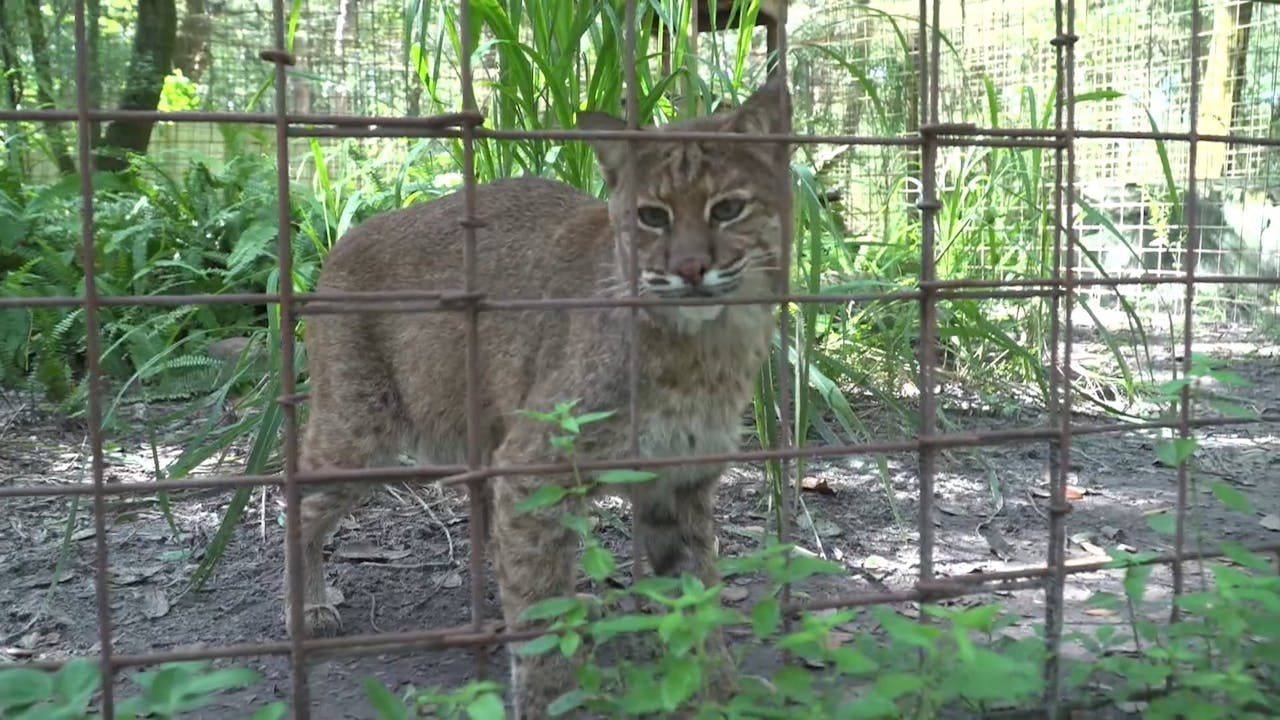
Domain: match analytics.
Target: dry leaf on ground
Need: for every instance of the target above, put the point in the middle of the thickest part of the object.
(817, 485)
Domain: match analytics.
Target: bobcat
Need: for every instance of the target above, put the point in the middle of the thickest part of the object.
(709, 219)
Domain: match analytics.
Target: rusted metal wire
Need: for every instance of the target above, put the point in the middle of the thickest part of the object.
(471, 300)
(1184, 394)
(1060, 350)
(93, 345)
(329, 302)
(928, 58)
(631, 229)
(462, 637)
(301, 693)
(786, 413)
(458, 474)
(477, 491)
(400, 126)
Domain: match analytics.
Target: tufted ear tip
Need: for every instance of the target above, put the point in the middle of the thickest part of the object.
(767, 111)
(774, 87)
(596, 120)
(610, 153)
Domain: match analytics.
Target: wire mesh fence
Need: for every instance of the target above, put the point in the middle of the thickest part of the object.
(1134, 76)
(1061, 142)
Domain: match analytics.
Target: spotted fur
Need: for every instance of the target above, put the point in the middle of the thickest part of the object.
(384, 383)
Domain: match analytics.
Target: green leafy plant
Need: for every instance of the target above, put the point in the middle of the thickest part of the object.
(1216, 660)
(30, 694)
(597, 561)
(669, 668)
(475, 701)
(1217, 655)
(1214, 657)
(167, 692)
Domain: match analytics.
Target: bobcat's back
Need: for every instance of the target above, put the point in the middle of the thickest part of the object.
(538, 238)
(521, 247)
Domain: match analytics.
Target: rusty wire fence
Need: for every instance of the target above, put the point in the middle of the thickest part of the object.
(1059, 290)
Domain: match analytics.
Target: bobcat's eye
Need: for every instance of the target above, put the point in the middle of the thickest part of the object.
(654, 217)
(728, 209)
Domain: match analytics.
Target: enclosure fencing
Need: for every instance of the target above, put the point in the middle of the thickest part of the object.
(1060, 290)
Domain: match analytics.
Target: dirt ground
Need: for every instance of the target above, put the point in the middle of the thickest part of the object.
(401, 561)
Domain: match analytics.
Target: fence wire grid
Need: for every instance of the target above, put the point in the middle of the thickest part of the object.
(1060, 289)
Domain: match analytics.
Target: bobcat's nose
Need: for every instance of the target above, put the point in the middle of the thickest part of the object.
(692, 270)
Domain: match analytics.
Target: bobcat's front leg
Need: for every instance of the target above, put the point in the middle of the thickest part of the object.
(534, 558)
(676, 525)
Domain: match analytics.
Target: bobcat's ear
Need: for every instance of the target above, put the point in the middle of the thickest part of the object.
(610, 153)
(767, 111)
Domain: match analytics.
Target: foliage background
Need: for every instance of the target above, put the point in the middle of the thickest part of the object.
(189, 207)
(192, 208)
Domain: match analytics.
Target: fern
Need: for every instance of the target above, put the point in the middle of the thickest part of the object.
(15, 334)
(182, 378)
(52, 366)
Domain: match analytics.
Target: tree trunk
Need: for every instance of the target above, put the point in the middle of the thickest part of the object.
(9, 60)
(153, 42)
(93, 29)
(191, 51)
(44, 86)
(12, 83)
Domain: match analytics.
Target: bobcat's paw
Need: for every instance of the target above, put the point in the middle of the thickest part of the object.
(319, 620)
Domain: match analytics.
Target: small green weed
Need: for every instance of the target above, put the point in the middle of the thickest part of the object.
(1218, 655)
(919, 670)
(476, 701)
(1216, 660)
(167, 692)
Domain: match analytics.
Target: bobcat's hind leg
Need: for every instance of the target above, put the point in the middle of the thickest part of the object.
(322, 509)
(332, 441)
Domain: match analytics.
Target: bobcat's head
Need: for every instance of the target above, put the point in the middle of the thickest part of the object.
(708, 213)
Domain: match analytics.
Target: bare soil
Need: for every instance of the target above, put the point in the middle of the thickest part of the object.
(401, 561)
